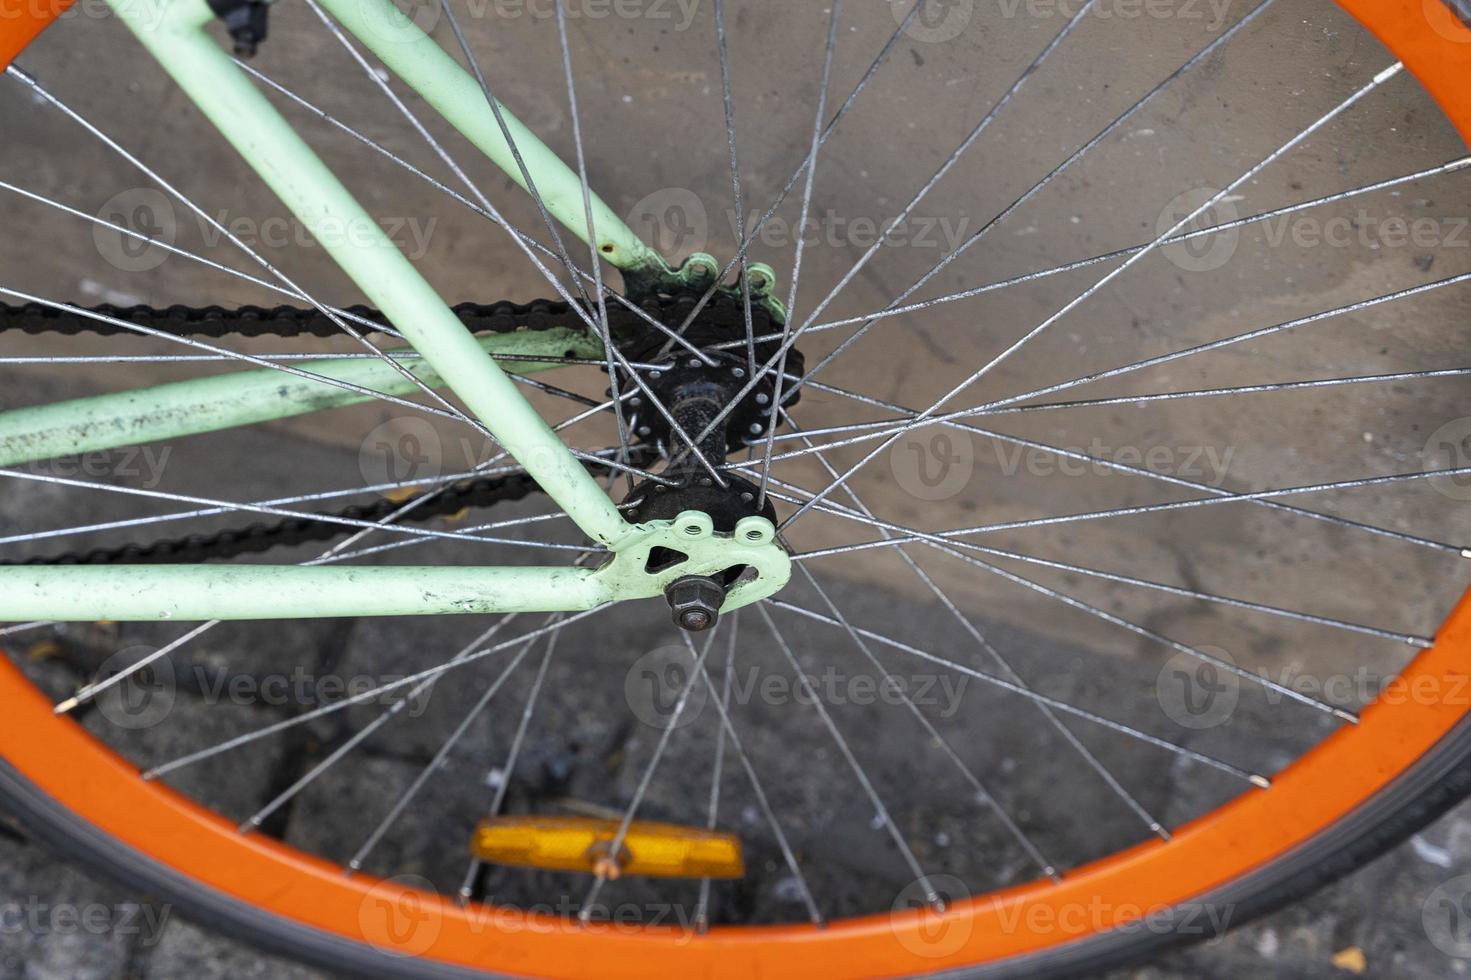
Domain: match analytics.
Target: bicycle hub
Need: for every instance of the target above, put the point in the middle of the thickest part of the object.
(709, 405)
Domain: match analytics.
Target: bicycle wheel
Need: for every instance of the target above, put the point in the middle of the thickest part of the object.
(1247, 669)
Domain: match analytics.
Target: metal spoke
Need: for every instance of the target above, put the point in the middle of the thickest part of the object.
(273, 511)
(90, 691)
(212, 511)
(1255, 779)
(234, 355)
(948, 546)
(517, 236)
(301, 719)
(1348, 308)
(1124, 468)
(328, 556)
(930, 894)
(1007, 671)
(615, 848)
(526, 241)
(1232, 225)
(234, 239)
(1057, 39)
(514, 753)
(500, 118)
(701, 917)
(740, 205)
(592, 235)
(361, 735)
(1037, 187)
(437, 762)
(1128, 263)
(781, 365)
(983, 795)
(23, 627)
(166, 246)
(382, 84)
(1272, 494)
(790, 338)
(762, 800)
(1238, 390)
(750, 236)
(1410, 639)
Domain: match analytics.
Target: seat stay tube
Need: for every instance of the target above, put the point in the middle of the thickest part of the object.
(173, 32)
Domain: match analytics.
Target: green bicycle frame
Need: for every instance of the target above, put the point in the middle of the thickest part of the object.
(173, 31)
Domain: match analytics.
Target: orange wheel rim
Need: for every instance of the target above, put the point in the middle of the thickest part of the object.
(88, 778)
(1327, 783)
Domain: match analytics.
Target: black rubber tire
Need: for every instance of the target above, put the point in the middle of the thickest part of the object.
(1437, 781)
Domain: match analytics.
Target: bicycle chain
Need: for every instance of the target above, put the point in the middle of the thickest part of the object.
(721, 318)
(723, 315)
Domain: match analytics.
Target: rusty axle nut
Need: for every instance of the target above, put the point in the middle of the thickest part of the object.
(695, 602)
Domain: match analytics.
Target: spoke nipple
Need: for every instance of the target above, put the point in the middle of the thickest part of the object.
(1260, 781)
(1348, 716)
(1466, 552)
(695, 602)
(66, 706)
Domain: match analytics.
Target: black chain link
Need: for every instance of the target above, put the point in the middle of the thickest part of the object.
(722, 318)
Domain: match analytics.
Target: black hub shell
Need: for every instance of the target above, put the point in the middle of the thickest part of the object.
(727, 506)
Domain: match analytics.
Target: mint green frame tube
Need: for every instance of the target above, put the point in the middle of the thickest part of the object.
(173, 32)
(231, 592)
(456, 95)
(185, 408)
(205, 592)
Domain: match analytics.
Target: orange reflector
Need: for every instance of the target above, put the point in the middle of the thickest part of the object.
(660, 850)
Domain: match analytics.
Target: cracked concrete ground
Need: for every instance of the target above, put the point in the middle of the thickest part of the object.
(643, 77)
